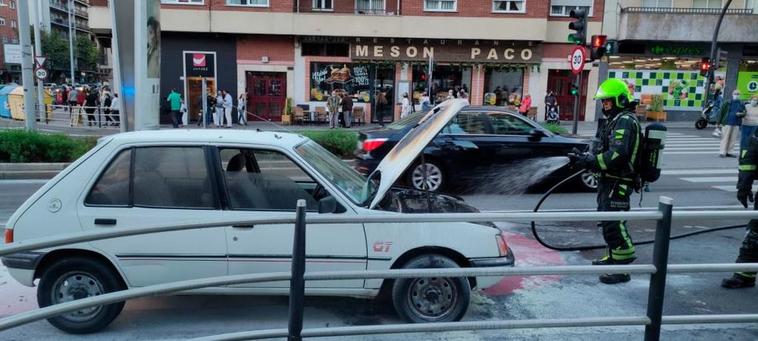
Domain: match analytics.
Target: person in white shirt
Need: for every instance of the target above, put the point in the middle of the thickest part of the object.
(218, 117)
(405, 109)
(242, 109)
(115, 103)
(228, 105)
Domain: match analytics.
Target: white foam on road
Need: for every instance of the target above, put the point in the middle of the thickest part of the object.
(711, 179)
(699, 171)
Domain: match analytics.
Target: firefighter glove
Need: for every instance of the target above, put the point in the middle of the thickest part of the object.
(581, 159)
(744, 195)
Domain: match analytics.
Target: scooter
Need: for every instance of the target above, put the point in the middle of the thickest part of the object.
(552, 115)
(707, 116)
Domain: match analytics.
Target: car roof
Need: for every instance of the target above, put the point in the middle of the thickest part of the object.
(287, 140)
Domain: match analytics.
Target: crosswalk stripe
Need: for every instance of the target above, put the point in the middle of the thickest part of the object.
(697, 148)
(698, 152)
(699, 171)
(711, 179)
(732, 188)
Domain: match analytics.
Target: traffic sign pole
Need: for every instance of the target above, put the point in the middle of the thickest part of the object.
(576, 63)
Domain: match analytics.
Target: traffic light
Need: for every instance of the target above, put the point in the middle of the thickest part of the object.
(597, 47)
(574, 90)
(705, 66)
(579, 25)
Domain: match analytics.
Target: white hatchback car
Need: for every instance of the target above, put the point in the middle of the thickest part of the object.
(179, 176)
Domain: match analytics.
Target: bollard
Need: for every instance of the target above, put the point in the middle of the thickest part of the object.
(297, 283)
(657, 289)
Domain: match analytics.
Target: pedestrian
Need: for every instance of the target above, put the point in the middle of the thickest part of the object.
(749, 122)
(713, 115)
(730, 118)
(347, 109)
(748, 253)
(405, 106)
(175, 105)
(333, 106)
(92, 101)
(525, 105)
(106, 101)
(183, 112)
(242, 109)
(450, 94)
(425, 102)
(381, 104)
(620, 140)
(115, 110)
(228, 106)
(211, 108)
(219, 116)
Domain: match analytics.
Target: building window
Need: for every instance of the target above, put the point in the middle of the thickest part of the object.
(509, 6)
(13, 4)
(657, 3)
(563, 11)
(13, 23)
(5, 40)
(706, 3)
(369, 6)
(441, 5)
(183, 2)
(323, 5)
(252, 3)
(2, 21)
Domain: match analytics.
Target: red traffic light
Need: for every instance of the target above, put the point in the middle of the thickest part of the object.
(705, 66)
(598, 41)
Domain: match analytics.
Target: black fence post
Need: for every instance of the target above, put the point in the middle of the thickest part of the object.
(297, 283)
(657, 289)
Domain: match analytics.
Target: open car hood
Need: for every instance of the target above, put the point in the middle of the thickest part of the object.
(407, 150)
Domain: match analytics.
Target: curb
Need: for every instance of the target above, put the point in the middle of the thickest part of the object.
(27, 171)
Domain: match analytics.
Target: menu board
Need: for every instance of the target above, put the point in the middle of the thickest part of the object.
(355, 79)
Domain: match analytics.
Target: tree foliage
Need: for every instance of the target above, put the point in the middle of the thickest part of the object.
(55, 47)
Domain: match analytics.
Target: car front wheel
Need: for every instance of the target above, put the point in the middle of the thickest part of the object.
(587, 182)
(77, 278)
(432, 181)
(431, 299)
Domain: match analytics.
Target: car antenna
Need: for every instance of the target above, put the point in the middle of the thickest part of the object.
(268, 120)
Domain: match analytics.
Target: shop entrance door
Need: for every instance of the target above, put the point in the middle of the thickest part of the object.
(194, 96)
(559, 81)
(267, 94)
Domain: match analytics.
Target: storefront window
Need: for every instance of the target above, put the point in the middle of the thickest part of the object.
(444, 79)
(503, 86)
(384, 93)
(355, 79)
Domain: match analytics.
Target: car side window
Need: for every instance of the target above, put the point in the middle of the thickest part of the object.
(464, 123)
(172, 177)
(266, 180)
(507, 124)
(112, 189)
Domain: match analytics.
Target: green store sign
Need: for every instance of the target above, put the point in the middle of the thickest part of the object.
(677, 50)
(747, 84)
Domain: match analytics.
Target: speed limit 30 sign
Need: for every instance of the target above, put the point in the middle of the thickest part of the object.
(576, 59)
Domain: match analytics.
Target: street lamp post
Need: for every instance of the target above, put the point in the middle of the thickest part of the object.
(71, 60)
(714, 41)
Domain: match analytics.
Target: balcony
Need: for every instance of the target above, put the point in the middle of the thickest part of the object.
(352, 7)
(353, 11)
(686, 24)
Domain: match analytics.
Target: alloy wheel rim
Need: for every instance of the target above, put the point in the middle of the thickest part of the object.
(77, 285)
(432, 298)
(589, 179)
(433, 177)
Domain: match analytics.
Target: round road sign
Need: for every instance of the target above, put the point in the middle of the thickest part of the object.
(41, 74)
(576, 59)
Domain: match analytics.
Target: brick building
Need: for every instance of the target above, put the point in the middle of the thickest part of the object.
(9, 34)
(497, 51)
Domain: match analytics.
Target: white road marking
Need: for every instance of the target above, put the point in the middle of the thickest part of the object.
(699, 171)
(732, 188)
(712, 179)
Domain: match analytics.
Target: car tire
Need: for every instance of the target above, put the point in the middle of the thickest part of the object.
(75, 278)
(431, 299)
(587, 182)
(435, 178)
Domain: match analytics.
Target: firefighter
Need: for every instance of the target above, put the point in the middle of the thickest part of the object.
(614, 163)
(749, 249)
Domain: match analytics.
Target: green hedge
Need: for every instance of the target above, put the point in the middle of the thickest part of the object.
(25, 146)
(340, 142)
(555, 128)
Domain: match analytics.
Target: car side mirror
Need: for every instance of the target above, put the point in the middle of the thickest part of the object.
(536, 135)
(327, 204)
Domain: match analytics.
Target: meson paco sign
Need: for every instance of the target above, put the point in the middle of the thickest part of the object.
(452, 52)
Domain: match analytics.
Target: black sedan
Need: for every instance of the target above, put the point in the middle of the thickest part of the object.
(483, 149)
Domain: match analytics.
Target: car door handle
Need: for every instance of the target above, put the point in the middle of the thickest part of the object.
(105, 221)
(243, 226)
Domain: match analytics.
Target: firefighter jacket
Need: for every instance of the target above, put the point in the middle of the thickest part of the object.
(619, 146)
(748, 162)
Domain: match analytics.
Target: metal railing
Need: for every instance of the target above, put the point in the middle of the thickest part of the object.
(79, 115)
(674, 10)
(653, 320)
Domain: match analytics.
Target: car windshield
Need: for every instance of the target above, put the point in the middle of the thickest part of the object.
(408, 120)
(349, 181)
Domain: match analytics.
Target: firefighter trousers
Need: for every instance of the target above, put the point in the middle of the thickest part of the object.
(749, 248)
(613, 195)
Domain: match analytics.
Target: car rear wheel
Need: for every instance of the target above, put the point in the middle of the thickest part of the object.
(587, 181)
(432, 181)
(431, 299)
(77, 278)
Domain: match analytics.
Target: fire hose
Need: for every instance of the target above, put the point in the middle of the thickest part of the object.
(596, 247)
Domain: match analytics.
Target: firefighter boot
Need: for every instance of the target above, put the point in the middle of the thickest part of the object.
(613, 278)
(738, 281)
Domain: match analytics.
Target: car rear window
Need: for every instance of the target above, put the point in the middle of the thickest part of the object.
(112, 189)
(172, 177)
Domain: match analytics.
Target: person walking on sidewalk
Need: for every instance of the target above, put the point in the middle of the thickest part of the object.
(175, 105)
(115, 102)
(749, 122)
(731, 118)
(333, 105)
(242, 109)
(228, 106)
(347, 109)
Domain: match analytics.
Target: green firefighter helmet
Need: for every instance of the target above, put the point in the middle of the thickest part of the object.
(616, 89)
